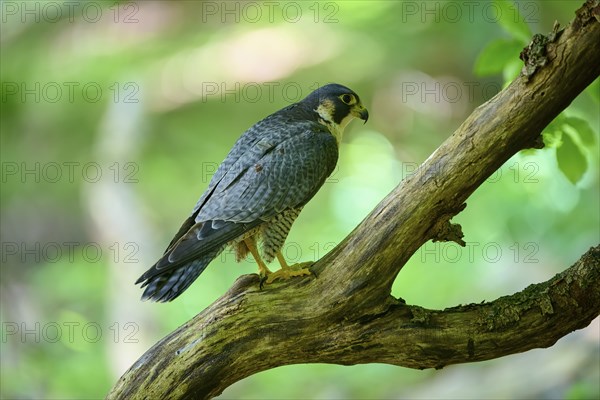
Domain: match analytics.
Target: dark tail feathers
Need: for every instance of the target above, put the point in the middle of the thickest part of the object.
(171, 283)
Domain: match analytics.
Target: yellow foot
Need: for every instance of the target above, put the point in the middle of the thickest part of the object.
(299, 269)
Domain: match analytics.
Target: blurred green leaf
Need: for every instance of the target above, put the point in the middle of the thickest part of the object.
(511, 71)
(571, 161)
(496, 55)
(583, 129)
(552, 139)
(552, 134)
(581, 391)
(512, 21)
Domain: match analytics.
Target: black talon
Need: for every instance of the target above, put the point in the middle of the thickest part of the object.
(261, 282)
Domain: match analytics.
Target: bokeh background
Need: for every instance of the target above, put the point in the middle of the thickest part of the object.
(115, 116)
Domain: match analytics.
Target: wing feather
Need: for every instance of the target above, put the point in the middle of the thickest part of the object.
(297, 166)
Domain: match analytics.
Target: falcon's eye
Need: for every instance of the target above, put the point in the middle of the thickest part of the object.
(347, 99)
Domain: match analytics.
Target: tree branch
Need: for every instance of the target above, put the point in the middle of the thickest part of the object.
(347, 315)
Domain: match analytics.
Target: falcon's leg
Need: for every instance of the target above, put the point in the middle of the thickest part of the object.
(263, 271)
(287, 271)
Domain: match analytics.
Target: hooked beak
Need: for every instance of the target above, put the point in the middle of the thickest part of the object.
(361, 112)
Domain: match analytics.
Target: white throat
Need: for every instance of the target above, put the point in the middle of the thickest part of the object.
(337, 130)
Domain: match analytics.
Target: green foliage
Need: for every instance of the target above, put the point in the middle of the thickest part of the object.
(583, 129)
(569, 135)
(497, 56)
(511, 20)
(502, 55)
(571, 160)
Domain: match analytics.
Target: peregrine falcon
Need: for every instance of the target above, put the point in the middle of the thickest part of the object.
(271, 172)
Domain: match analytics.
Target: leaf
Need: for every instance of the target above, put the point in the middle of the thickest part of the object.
(512, 21)
(552, 134)
(496, 55)
(583, 128)
(511, 71)
(552, 139)
(571, 161)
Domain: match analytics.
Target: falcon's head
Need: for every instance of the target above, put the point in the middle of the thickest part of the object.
(335, 106)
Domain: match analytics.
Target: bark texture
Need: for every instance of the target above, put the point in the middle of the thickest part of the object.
(347, 315)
